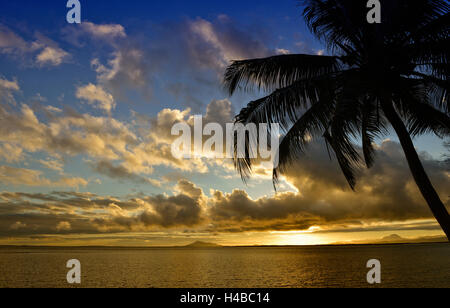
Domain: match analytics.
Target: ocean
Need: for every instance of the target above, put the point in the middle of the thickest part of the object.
(418, 265)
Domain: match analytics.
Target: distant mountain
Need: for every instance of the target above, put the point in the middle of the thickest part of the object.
(393, 238)
(397, 239)
(202, 245)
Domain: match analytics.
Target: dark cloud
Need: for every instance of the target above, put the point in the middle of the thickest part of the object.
(195, 52)
(28, 214)
(386, 193)
(215, 44)
(386, 199)
(119, 172)
(130, 67)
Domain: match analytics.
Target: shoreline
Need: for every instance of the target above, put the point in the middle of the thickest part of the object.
(206, 248)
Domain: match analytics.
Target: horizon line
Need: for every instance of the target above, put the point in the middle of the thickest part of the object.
(190, 246)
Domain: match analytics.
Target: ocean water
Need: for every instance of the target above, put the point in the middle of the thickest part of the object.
(425, 265)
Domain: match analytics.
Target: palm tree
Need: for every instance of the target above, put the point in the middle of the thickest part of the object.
(393, 74)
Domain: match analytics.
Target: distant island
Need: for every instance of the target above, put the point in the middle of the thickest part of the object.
(393, 239)
(200, 244)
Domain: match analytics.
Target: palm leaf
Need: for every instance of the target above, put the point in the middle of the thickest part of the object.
(313, 123)
(373, 126)
(277, 71)
(284, 105)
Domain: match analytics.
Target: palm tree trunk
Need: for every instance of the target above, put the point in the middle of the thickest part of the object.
(420, 176)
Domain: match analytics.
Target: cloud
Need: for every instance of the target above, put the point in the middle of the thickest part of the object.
(188, 95)
(120, 172)
(188, 47)
(128, 68)
(320, 199)
(155, 150)
(67, 134)
(215, 44)
(386, 199)
(6, 85)
(46, 51)
(119, 150)
(219, 111)
(163, 212)
(52, 56)
(33, 178)
(11, 153)
(386, 193)
(18, 225)
(52, 164)
(97, 97)
(88, 213)
(19, 176)
(7, 88)
(281, 51)
(110, 34)
(64, 226)
(52, 109)
(189, 189)
(11, 42)
(104, 31)
(71, 182)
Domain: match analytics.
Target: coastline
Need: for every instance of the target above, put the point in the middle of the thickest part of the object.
(4, 247)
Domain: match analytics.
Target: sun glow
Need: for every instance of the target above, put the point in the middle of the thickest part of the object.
(299, 238)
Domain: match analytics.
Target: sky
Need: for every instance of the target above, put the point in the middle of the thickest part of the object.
(86, 112)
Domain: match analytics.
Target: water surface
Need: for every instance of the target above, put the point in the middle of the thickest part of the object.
(425, 265)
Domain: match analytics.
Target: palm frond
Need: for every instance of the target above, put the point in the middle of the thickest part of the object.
(437, 89)
(347, 157)
(373, 126)
(344, 21)
(277, 71)
(423, 118)
(429, 56)
(414, 104)
(405, 58)
(336, 22)
(344, 126)
(284, 105)
(436, 29)
(312, 124)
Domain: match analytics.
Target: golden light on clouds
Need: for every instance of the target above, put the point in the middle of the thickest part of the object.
(89, 172)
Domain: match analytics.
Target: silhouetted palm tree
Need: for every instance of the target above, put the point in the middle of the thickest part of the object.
(389, 74)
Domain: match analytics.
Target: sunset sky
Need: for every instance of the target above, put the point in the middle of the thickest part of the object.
(86, 113)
